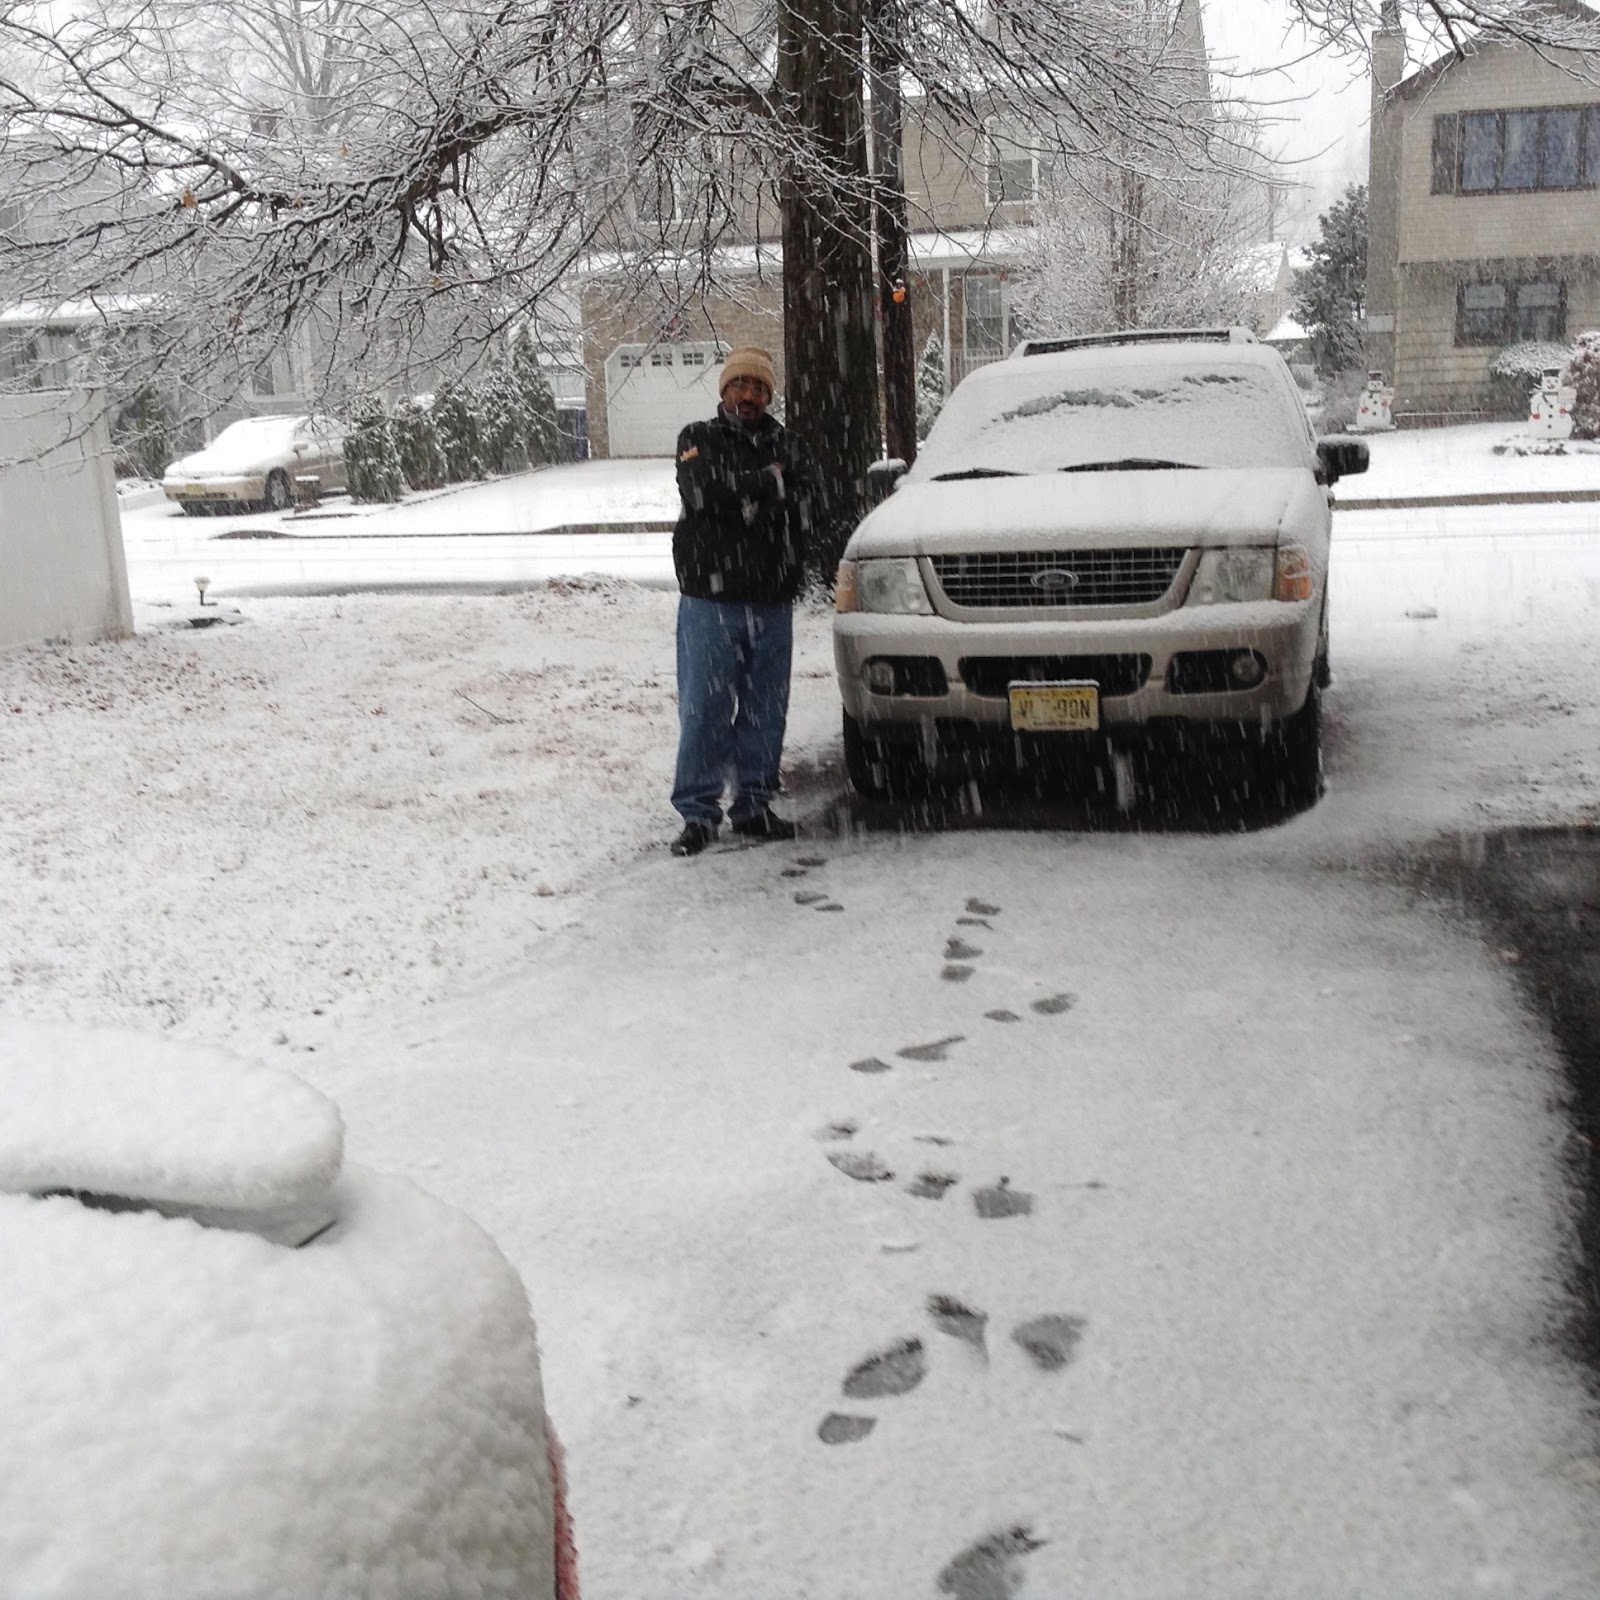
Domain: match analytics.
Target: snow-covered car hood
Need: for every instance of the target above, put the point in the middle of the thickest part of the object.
(236, 460)
(1107, 509)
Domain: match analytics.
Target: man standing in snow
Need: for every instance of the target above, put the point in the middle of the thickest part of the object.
(750, 494)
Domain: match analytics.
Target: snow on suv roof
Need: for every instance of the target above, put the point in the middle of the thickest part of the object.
(1079, 341)
(1218, 403)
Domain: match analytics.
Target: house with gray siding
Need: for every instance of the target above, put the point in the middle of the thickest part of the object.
(1483, 216)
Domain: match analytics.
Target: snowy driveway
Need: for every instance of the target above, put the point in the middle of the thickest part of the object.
(1200, 1194)
(1140, 1214)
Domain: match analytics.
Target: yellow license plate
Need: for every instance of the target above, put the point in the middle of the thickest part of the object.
(1055, 707)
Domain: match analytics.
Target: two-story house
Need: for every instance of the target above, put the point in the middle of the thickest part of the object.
(1483, 215)
(652, 361)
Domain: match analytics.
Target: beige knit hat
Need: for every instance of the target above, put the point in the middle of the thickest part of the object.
(749, 361)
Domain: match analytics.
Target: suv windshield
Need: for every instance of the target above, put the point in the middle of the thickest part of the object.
(1038, 415)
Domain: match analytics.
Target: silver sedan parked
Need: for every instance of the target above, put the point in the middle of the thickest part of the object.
(1106, 543)
(256, 463)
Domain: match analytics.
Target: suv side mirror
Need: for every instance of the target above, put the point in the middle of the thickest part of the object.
(882, 476)
(1341, 458)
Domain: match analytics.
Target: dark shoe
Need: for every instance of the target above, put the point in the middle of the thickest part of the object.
(694, 838)
(763, 825)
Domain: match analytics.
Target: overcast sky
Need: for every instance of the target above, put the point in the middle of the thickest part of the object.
(1317, 104)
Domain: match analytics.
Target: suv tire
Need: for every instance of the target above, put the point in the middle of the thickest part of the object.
(1290, 765)
(882, 769)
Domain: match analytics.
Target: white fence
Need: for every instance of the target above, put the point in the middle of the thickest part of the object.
(62, 573)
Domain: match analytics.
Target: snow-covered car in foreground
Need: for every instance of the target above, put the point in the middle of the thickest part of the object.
(256, 462)
(234, 1365)
(1105, 543)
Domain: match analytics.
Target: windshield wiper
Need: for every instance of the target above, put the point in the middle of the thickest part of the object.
(1128, 464)
(975, 472)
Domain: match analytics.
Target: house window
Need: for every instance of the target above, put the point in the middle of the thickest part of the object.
(1505, 312)
(628, 359)
(986, 318)
(1013, 164)
(1541, 311)
(1511, 152)
(1561, 151)
(660, 358)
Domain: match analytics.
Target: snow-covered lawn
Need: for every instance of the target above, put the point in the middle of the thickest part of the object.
(1298, 1226)
(1480, 458)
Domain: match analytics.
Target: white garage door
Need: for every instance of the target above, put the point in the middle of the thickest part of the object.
(651, 394)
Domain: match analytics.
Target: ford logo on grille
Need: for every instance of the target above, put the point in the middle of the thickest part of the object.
(1055, 580)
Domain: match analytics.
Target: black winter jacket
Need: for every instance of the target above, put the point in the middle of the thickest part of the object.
(741, 536)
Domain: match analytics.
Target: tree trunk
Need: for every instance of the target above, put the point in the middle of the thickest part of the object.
(894, 254)
(830, 351)
(1127, 248)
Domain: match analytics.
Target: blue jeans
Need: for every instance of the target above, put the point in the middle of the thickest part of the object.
(733, 702)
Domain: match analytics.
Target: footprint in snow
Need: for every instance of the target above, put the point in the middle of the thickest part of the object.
(959, 1321)
(954, 974)
(990, 1568)
(960, 950)
(870, 1064)
(894, 1371)
(862, 1165)
(981, 908)
(1001, 1200)
(1002, 1016)
(935, 1051)
(1054, 1005)
(932, 1185)
(809, 897)
(1051, 1341)
(840, 1427)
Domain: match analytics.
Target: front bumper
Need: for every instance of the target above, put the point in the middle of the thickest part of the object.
(1160, 669)
(215, 491)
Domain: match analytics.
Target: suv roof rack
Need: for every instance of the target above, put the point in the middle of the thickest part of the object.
(1079, 341)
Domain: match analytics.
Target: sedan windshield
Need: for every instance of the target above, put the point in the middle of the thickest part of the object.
(1018, 416)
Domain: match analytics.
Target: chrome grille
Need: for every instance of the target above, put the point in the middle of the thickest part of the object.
(1040, 579)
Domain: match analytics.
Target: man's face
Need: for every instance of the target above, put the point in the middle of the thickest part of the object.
(747, 399)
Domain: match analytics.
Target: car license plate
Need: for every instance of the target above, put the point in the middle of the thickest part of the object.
(1055, 707)
(195, 491)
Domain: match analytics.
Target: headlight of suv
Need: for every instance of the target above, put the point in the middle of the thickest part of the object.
(1252, 572)
(1227, 576)
(882, 585)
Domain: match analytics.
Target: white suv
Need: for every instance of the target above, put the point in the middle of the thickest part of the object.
(1106, 543)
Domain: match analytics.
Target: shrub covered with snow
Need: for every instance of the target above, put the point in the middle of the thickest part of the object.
(461, 427)
(930, 384)
(1582, 375)
(503, 418)
(1516, 372)
(416, 437)
(372, 454)
(541, 435)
